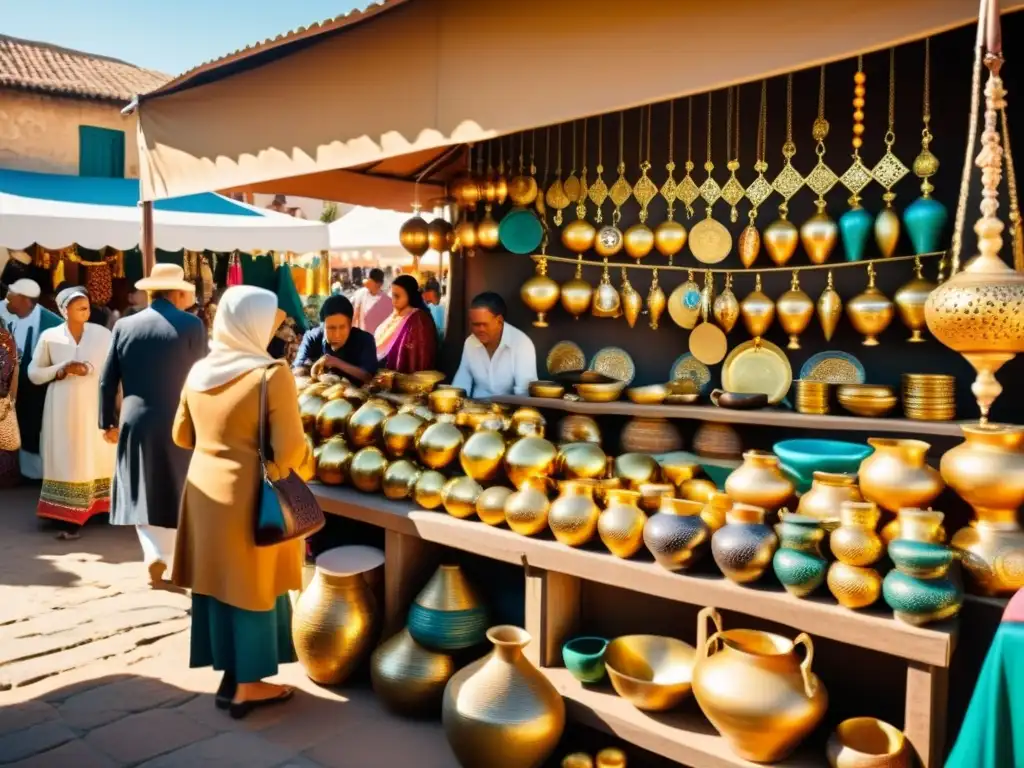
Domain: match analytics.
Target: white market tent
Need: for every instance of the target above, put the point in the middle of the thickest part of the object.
(59, 211)
(369, 237)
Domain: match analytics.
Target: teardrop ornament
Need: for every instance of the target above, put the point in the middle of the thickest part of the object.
(727, 307)
(819, 235)
(854, 229)
(780, 240)
(655, 302)
(749, 245)
(887, 232)
(632, 302)
(830, 309)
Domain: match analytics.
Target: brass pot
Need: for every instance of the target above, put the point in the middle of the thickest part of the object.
(576, 428)
(910, 302)
(501, 711)
(795, 310)
(540, 294)
(638, 241)
(866, 742)
(399, 434)
(526, 510)
(621, 525)
(854, 586)
(912, 524)
(670, 238)
(677, 534)
(399, 479)
(427, 490)
(829, 491)
(744, 546)
(334, 625)
(870, 312)
(987, 471)
(490, 504)
(698, 489)
(855, 542)
(636, 469)
(367, 469)
(366, 423)
(759, 481)
(573, 515)
(333, 460)
(309, 408)
(529, 457)
(408, 678)
(446, 399)
(781, 238)
(459, 496)
(482, 454)
(578, 236)
(896, 475)
(757, 310)
(790, 700)
(651, 495)
(715, 509)
(438, 444)
(677, 468)
(581, 461)
(528, 421)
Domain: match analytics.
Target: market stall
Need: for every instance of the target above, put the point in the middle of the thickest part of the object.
(790, 229)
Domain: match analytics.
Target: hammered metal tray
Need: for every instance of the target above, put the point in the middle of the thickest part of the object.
(614, 362)
(758, 366)
(565, 356)
(833, 367)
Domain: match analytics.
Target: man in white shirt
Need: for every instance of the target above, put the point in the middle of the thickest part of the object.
(498, 359)
(371, 306)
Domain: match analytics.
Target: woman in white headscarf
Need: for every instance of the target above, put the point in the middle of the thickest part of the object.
(241, 615)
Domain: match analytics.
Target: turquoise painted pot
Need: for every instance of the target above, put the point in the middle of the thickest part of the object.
(855, 227)
(802, 458)
(584, 658)
(920, 591)
(925, 220)
(447, 630)
(798, 563)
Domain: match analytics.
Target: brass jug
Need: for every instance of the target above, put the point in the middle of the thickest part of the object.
(621, 525)
(896, 475)
(829, 491)
(676, 534)
(759, 481)
(573, 515)
(408, 678)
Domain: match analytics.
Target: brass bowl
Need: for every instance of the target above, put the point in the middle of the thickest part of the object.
(419, 383)
(651, 495)
(651, 672)
(446, 399)
(549, 389)
(862, 391)
(600, 393)
(686, 399)
(874, 402)
(652, 394)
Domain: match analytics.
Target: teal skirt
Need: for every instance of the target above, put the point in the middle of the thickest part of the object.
(248, 644)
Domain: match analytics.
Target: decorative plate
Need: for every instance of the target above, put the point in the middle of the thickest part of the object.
(758, 366)
(710, 241)
(566, 356)
(614, 362)
(834, 367)
(689, 367)
(520, 232)
(684, 305)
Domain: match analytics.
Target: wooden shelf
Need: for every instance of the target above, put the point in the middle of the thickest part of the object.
(683, 734)
(767, 417)
(876, 630)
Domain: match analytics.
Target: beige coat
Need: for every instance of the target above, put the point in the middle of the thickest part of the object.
(215, 554)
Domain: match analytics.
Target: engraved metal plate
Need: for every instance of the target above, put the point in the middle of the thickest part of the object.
(856, 177)
(732, 192)
(620, 191)
(710, 190)
(687, 191)
(759, 191)
(821, 179)
(889, 170)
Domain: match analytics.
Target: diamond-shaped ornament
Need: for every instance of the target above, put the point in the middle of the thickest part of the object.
(856, 177)
(821, 179)
(598, 192)
(687, 191)
(889, 170)
(788, 182)
(644, 190)
(620, 191)
(732, 192)
(669, 189)
(710, 190)
(759, 191)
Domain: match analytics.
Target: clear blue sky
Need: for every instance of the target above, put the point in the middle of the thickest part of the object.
(167, 35)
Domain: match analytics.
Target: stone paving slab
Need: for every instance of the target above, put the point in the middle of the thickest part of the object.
(143, 736)
(74, 754)
(227, 750)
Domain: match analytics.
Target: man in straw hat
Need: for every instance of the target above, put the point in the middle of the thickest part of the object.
(26, 319)
(151, 353)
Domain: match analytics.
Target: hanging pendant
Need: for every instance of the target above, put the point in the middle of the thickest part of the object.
(655, 301)
(758, 310)
(795, 310)
(726, 308)
(887, 231)
(925, 220)
(780, 240)
(632, 302)
(855, 229)
(749, 245)
(830, 309)
(607, 302)
(819, 235)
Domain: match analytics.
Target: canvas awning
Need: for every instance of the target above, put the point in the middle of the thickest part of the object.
(364, 103)
(59, 211)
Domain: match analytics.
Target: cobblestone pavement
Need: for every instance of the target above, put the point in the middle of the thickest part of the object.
(94, 673)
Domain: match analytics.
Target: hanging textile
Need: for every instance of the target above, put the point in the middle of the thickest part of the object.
(100, 152)
(99, 284)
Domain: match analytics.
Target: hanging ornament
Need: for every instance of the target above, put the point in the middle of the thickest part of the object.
(670, 235)
(540, 293)
(632, 302)
(910, 301)
(855, 224)
(687, 191)
(607, 302)
(795, 310)
(749, 244)
(870, 312)
(413, 233)
(578, 236)
(757, 310)
(638, 240)
(830, 309)
(925, 218)
(710, 241)
(487, 227)
(726, 308)
(887, 172)
(684, 303)
(655, 301)
(555, 197)
(577, 293)
(733, 190)
(819, 233)
(464, 188)
(609, 237)
(781, 236)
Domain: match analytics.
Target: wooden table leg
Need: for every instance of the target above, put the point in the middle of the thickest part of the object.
(924, 721)
(408, 563)
(552, 613)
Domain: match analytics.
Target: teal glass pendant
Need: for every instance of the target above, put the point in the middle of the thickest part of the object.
(855, 229)
(925, 220)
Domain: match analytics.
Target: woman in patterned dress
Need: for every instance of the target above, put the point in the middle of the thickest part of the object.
(9, 474)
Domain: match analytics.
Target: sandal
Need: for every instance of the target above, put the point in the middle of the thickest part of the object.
(241, 709)
(68, 536)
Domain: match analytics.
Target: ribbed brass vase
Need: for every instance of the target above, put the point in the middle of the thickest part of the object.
(408, 678)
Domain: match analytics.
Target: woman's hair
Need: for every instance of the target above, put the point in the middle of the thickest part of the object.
(412, 289)
(336, 304)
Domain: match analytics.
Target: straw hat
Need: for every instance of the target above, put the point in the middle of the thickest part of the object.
(165, 277)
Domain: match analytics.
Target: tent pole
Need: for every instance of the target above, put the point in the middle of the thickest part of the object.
(147, 242)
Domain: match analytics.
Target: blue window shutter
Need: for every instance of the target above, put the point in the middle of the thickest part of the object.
(100, 152)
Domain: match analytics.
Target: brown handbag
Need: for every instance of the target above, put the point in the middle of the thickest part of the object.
(287, 508)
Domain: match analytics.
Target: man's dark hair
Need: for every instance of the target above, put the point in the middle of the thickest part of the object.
(491, 301)
(432, 285)
(335, 305)
(377, 275)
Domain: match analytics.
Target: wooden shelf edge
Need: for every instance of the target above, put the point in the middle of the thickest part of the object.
(683, 735)
(777, 418)
(932, 646)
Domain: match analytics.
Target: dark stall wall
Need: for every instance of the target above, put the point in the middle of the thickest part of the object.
(655, 351)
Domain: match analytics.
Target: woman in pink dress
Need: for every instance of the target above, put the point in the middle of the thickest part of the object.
(9, 474)
(407, 340)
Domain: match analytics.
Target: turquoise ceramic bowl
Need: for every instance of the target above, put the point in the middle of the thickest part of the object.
(520, 231)
(447, 630)
(802, 458)
(584, 658)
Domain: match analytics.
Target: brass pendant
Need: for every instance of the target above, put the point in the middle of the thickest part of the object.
(638, 241)
(684, 304)
(819, 235)
(710, 241)
(910, 301)
(670, 238)
(830, 309)
(487, 230)
(540, 293)
(887, 231)
(578, 236)
(758, 311)
(870, 312)
(577, 293)
(727, 307)
(632, 302)
(795, 311)
(607, 302)
(780, 240)
(655, 302)
(749, 245)
(608, 241)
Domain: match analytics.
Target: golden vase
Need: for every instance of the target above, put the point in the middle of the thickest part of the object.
(490, 505)
(910, 302)
(366, 470)
(573, 515)
(408, 678)
(526, 510)
(896, 475)
(399, 434)
(581, 461)
(743, 548)
(676, 535)
(529, 457)
(758, 693)
(332, 461)
(365, 425)
(912, 524)
(987, 471)
(856, 541)
(715, 510)
(482, 454)
(795, 310)
(438, 444)
(870, 312)
(621, 525)
(757, 310)
(759, 481)
(501, 711)
(540, 293)
(829, 491)
(332, 418)
(854, 586)
(636, 469)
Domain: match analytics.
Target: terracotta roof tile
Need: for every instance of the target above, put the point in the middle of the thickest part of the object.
(35, 66)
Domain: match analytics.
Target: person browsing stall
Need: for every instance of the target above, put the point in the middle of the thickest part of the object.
(498, 358)
(337, 345)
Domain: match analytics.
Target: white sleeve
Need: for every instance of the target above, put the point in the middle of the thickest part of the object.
(463, 378)
(525, 367)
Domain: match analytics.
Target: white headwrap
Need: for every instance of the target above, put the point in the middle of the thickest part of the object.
(241, 332)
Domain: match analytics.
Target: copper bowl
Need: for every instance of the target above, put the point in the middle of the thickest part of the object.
(547, 389)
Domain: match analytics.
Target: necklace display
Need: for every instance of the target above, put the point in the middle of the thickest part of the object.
(781, 236)
(819, 233)
(578, 236)
(607, 302)
(638, 240)
(687, 192)
(733, 190)
(855, 224)
(670, 236)
(759, 190)
(710, 241)
(556, 197)
(887, 172)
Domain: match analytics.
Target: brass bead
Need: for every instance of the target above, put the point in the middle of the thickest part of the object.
(858, 115)
(858, 129)
(860, 78)
(858, 103)
(860, 91)
(857, 142)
